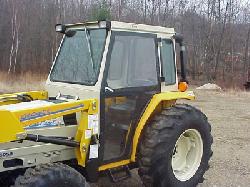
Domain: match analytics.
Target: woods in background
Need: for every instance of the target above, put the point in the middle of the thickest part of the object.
(216, 32)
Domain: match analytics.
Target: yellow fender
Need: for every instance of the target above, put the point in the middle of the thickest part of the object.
(151, 108)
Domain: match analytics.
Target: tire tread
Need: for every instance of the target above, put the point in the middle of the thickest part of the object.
(160, 130)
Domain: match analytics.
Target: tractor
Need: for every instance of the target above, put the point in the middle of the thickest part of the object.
(109, 106)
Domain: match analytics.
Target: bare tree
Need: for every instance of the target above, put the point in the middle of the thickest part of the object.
(15, 39)
(216, 31)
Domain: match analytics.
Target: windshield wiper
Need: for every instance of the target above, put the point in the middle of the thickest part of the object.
(89, 48)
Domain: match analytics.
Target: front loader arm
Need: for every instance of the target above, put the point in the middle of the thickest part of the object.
(13, 123)
(6, 99)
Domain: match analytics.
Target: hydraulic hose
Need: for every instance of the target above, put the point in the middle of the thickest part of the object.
(53, 140)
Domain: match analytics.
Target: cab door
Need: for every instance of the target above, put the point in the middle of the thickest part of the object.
(131, 78)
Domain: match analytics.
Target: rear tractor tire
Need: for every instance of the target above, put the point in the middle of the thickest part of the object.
(51, 175)
(175, 148)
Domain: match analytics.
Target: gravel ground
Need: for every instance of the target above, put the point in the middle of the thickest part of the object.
(229, 115)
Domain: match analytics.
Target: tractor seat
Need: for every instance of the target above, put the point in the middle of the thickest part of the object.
(120, 115)
(124, 108)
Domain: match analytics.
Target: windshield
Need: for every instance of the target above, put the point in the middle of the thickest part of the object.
(79, 57)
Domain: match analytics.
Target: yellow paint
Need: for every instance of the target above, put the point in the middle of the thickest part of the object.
(80, 137)
(52, 111)
(13, 122)
(166, 99)
(120, 100)
(6, 99)
(151, 108)
(93, 106)
(128, 132)
(9, 127)
(108, 103)
(113, 165)
(114, 100)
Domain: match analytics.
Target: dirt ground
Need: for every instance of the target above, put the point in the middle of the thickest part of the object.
(229, 115)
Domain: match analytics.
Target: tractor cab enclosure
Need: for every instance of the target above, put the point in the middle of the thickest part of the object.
(123, 65)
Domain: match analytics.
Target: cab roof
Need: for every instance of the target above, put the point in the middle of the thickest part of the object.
(117, 25)
(141, 27)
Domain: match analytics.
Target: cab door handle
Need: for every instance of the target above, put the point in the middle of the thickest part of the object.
(108, 89)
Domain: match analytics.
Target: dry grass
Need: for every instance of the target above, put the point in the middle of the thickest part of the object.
(22, 82)
(28, 81)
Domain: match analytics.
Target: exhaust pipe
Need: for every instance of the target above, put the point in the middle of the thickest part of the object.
(179, 39)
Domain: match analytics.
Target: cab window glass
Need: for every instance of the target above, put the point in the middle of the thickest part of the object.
(80, 57)
(133, 61)
(116, 64)
(168, 61)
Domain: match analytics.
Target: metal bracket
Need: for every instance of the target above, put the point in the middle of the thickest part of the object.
(21, 136)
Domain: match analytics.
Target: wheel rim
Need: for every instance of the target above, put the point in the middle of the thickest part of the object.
(187, 154)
